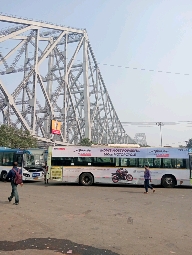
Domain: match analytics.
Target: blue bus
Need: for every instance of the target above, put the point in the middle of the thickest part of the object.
(25, 160)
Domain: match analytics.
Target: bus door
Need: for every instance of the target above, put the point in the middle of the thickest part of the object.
(190, 165)
(56, 173)
(19, 158)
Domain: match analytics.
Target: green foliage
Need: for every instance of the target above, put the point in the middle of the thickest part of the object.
(85, 142)
(189, 143)
(16, 138)
(144, 145)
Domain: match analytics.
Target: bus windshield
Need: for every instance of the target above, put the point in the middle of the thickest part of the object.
(28, 160)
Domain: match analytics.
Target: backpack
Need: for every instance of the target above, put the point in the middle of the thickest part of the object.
(18, 177)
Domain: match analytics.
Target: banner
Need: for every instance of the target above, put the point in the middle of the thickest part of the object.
(55, 127)
(106, 152)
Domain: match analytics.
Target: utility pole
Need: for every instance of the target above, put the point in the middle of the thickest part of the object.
(160, 124)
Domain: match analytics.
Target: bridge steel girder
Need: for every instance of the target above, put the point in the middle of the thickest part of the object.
(50, 72)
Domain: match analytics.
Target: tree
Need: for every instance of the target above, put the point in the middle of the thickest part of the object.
(85, 142)
(189, 143)
(16, 138)
(144, 145)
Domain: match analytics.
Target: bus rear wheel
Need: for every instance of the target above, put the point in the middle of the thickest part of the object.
(168, 181)
(3, 175)
(86, 179)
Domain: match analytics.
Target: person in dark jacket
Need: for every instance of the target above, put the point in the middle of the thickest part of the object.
(11, 176)
(147, 177)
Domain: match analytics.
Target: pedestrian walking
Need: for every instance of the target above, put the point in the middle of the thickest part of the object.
(147, 177)
(15, 175)
(45, 169)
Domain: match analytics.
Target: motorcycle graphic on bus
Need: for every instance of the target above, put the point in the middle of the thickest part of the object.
(121, 174)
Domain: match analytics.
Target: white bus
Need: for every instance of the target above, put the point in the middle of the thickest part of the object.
(107, 165)
(25, 161)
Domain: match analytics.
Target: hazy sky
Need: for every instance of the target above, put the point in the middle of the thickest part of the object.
(154, 35)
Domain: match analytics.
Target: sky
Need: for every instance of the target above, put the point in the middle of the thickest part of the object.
(155, 35)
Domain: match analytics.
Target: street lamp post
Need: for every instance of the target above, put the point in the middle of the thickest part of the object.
(160, 124)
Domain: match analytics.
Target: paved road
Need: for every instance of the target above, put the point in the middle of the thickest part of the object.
(97, 220)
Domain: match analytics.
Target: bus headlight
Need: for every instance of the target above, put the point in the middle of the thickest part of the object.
(26, 175)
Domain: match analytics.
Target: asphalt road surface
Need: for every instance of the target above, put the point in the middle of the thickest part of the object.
(97, 220)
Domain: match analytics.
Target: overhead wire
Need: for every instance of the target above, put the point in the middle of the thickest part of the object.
(141, 69)
(135, 68)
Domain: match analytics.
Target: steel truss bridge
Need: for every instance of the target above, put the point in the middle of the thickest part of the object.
(50, 72)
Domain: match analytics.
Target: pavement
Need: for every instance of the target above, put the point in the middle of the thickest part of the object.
(97, 220)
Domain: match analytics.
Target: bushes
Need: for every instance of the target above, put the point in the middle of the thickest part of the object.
(85, 142)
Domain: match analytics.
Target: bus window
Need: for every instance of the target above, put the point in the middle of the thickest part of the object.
(142, 162)
(186, 163)
(156, 163)
(132, 162)
(124, 162)
(61, 161)
(8, 159)
(118, 161)
(149, 162)
(181, 163)
(1, 158)
(68, 161)
(104, 162)
(83, 161)
(57, 161)
(127, 162)
(169, 163)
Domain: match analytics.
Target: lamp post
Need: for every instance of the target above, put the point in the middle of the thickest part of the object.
(107, 135)
(160, 124)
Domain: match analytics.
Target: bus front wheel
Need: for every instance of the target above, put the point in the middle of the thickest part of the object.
(86, 179)
(168, 181)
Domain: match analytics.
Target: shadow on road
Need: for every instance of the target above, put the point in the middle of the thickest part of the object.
(57, 245)
(4, 202)
(52, 183)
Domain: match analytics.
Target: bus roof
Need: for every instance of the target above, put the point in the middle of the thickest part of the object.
(121, 145)
(5, 149)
